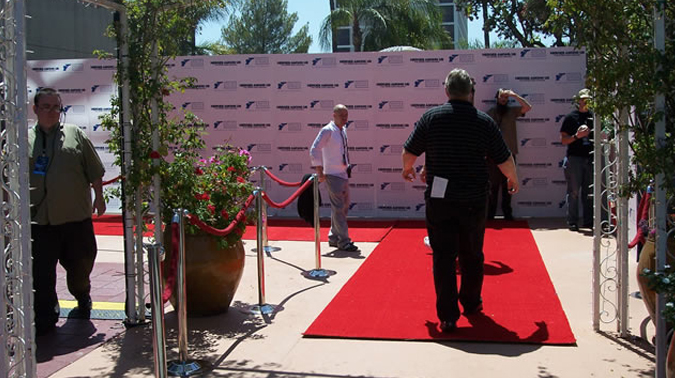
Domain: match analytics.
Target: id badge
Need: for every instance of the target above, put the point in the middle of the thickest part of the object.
(41, 165)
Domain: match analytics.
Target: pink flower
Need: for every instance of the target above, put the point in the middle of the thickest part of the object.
(248, 154)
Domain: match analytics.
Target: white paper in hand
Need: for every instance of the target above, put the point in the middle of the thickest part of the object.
(438, 187)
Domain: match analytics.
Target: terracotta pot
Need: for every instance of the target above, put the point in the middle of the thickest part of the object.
(648, 260)
(212, 274)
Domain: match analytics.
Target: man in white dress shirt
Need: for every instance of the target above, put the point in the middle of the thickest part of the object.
(330, 157)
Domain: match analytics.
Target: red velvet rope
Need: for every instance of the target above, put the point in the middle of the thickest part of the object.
(224, 232)
(111, 181)
(290, 199)
(280, 181)
(173, 264)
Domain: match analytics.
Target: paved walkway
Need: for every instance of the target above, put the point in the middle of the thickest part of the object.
(237, 344)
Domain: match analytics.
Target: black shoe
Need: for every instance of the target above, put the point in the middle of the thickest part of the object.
(573, 227)
(448, 327)
(332, 243)
(476, 309)
(588, 225)
(508, 217)
(84, 305)
(350, 248)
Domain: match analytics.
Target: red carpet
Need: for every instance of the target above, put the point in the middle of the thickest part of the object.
(283, 229)
(391, 296)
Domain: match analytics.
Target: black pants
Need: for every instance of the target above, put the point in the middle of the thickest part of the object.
(73, 245)
(456, 229)
(497, 184)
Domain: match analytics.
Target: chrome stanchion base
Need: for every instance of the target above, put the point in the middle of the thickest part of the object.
(265, 309)
(318, 274)
(187, 368)
(268, 249)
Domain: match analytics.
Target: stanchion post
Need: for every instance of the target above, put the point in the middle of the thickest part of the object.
(155, 256)
(317, 273)
(261, 308)
(183, 367)
(263, 216)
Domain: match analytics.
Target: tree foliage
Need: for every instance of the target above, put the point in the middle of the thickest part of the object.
(378, 24)
(625, 72)
(265, 27)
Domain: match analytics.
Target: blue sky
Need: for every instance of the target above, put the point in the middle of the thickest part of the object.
(313, 12)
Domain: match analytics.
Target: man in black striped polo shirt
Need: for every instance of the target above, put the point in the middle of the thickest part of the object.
(456, 138)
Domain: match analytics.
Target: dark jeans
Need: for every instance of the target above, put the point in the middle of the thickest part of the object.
(73, 245)
(497, 184)
(456, 229)
(579, 176)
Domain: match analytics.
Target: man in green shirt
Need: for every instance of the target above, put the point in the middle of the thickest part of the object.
(64, 166)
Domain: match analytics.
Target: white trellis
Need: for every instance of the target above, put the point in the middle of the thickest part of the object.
(17, 339)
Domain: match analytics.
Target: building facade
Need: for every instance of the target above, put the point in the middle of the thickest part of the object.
(66, 29)
(454, 22)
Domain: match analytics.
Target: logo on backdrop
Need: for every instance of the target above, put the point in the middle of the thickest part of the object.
(495, 78)
(322, 105)
(71, 90)
(362, 168)
(557, 143)
(75, 67)
(257, 126)
(291, 127)
(290, 168)
(401, 84)
(395, 126)
(316, 125)
(398, 186)
(73, 109)
(225, 125)
(101, 88)
(199, 87)
(391, 149)
(529, 79)
(324, 62)
(105, 109)
(292, 108)
(225, 63)
(533, 54)
(323, 85)
(198, 106)
(257, 106)
(461, 58)
(358, 125)
(535, 165)
(568, 77)
(229, 85)
(390, 106)
(535, 98)
(427, 83)
(534, 182)
(499, 55)
(226, 106)
(361, 185)
(420, 206)
(562, 100)
(292, 63)
(360, 148)
(390, 60)
(289, 85)
(392, 208)
(293, 148)
(362, 206)
(46, 69)
(535, 203)
(356, 84)
(255, 85)
(533, 120)
(560, 117)
(355, 62)
(96, 127)
(103, 67)
(262, 148)
(533, 142)
(427, 60)
(358, 106)
(424, 105)
(559, 182)
(390, 169)
(192, 63)
(257, 61)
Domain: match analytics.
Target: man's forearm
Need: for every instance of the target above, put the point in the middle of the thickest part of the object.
(98, 187)
(408, 159)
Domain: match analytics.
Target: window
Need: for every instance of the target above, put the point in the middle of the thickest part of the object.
(448, 13)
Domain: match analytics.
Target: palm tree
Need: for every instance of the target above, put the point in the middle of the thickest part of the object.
(377, 24)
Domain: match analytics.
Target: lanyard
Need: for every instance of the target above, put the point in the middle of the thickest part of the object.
(345, 153)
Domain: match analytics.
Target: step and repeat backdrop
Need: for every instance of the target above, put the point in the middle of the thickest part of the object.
(274, 105)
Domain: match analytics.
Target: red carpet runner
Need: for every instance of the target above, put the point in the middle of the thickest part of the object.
(391, 296)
